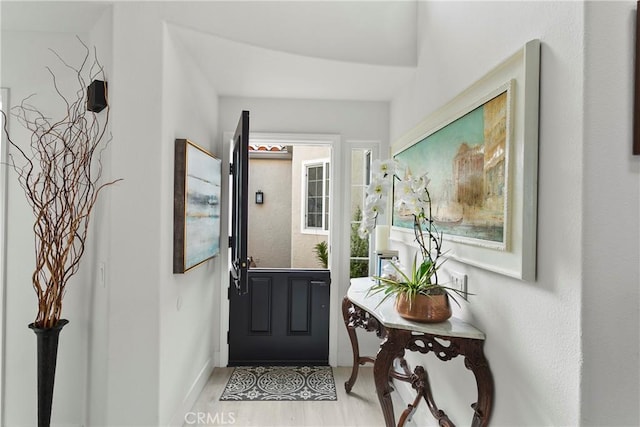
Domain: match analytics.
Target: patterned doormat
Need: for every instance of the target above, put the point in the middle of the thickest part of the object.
(280, 383)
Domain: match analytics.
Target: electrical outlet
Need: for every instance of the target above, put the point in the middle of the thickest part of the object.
(459, 282)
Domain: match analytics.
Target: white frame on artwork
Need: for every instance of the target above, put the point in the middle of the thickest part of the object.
(517, 257)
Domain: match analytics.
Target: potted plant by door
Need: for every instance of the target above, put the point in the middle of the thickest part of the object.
(419, 294)
(59, 168)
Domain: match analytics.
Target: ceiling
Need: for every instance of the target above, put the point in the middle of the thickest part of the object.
(238, 69)
(356, 50)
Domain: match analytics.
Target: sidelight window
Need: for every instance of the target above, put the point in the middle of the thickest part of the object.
(316, 197)
(360, 177)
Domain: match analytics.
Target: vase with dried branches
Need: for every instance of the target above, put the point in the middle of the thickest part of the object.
(60, 170)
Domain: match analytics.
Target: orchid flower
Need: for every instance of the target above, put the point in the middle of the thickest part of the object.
(411, 197)
(384, 168)
(374, 206)
(379, 187)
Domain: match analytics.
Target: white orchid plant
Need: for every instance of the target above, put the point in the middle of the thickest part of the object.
(412, 198)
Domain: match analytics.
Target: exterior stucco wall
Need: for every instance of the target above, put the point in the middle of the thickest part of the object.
(269, 223)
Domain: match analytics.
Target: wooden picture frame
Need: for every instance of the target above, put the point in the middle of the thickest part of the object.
(513, 251)
(196, 201)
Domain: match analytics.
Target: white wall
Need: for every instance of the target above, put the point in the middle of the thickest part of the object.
(187, 323)
(24, 57)
(542, 368)
(134, 271)
(611, 233)
(161, 330)
(98, 303)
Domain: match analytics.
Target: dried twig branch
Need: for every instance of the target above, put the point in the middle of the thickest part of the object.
(60, 172)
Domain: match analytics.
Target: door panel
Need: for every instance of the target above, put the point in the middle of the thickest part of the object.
(239, 204)
(260, 291)
(299, 306)
(284, 319)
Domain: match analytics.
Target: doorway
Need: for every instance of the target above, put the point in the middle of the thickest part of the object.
(281, 313)
(289, 205)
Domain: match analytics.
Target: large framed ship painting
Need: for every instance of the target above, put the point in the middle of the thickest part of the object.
(196, 224)
(480, 153)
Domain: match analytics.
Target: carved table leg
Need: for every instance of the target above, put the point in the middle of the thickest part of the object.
(391, 348)
(472, 350)
(346, 307)
(420, 382)
(477, 363)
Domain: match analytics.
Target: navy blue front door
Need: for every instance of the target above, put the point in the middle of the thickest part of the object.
(276, 316)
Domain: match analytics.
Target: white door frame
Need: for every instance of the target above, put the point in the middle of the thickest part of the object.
(335, 229)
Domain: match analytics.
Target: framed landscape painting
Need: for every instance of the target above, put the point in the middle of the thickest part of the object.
(196, 219)
(466, 161)
(480, 151)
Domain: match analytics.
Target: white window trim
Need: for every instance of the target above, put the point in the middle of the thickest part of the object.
(324, 231)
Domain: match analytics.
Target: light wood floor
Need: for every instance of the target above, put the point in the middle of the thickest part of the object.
(359, 408)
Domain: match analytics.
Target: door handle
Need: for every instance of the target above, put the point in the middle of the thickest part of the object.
(319, 283)
(242, 287)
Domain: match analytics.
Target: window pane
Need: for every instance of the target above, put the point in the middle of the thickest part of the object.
(327, 174)
(311, 189)
(315, 220)
(357, 195)
(359, 268)
(326, 213)
(312, 173)
(359, 247)
(312, 206)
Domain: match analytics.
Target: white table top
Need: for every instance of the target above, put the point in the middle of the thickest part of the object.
(389, 317)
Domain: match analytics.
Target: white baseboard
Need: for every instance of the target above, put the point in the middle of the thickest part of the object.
(192, 395)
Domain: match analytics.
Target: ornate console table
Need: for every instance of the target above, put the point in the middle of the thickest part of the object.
(398, 335)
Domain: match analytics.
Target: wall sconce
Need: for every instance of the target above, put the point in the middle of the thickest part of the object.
(259, 197)
(97, 96)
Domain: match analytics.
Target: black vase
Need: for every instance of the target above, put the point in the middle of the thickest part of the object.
(47, 356)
